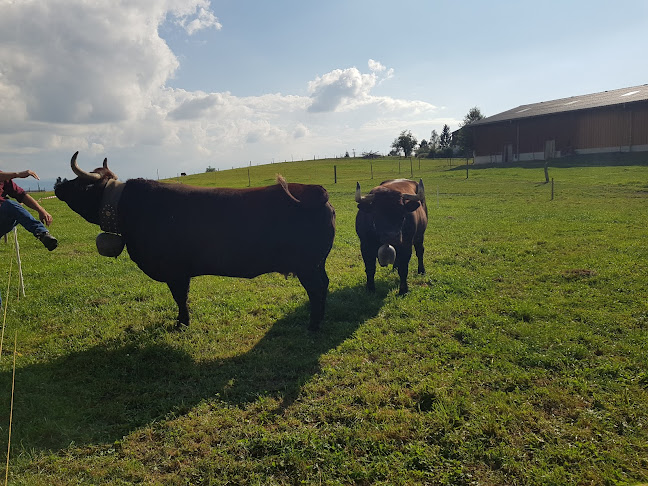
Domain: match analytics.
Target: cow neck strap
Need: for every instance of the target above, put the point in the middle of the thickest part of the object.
(109, 204)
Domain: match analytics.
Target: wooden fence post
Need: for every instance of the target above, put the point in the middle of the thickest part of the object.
(552, 189)
(335, 173)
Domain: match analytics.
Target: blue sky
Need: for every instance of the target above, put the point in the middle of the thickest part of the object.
(168, 86)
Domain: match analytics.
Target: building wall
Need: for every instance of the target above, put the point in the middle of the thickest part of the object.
(604, 128)
(619, 128)
(640, 125)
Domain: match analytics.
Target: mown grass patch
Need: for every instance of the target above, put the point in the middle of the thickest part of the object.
(519, 358)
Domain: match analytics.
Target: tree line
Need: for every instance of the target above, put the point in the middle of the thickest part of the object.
(439, 145)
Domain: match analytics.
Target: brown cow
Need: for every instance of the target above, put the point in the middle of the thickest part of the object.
(176, 232)
(390, 219)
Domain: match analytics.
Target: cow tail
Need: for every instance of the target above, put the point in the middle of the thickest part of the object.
(308, 196)
(284, 185)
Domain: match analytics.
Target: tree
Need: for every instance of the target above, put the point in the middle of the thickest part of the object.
(465, 140)
(210, 169)
(424, 149)
(405, 142)
(432, 145)
(434, 140)
(474, 114)
(445, 140)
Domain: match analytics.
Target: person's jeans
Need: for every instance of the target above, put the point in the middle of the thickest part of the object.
(12, 214)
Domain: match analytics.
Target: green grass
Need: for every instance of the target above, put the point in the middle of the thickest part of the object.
(519, 358)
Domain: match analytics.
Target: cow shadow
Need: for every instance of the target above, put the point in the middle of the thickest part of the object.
(101, 394)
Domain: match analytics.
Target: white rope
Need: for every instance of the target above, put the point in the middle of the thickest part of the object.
(20, 274)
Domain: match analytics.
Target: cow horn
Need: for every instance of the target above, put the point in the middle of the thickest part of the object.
(420, 193)
(358, 195)
(420, 190)
(105, 163)
(81, 173)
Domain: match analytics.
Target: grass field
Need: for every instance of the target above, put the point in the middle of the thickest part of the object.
(519, 358)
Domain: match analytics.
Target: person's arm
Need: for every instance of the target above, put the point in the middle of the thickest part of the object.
(7, 176)
(43, 215)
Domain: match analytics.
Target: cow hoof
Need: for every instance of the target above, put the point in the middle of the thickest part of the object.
(180, 326)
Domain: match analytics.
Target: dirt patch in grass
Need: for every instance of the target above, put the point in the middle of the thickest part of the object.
(578, 273)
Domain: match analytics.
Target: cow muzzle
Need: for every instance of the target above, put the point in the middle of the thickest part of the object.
(392, 238)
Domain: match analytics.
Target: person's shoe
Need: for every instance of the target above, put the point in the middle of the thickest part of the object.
(48, 240)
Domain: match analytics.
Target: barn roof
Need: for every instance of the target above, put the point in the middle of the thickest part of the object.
(574, 103)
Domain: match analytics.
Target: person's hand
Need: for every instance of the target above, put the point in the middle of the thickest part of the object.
(26, 173)
(45, 217)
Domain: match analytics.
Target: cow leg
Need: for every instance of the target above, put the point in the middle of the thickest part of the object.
(180, 291)
(369, 252)
(418, 246)
(316, 285)
(403, 256)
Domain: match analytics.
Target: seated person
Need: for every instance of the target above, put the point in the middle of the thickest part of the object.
(12, 213)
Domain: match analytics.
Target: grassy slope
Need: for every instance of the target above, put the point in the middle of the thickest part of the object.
(518, 359)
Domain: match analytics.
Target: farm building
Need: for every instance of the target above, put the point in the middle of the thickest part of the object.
(612, 121)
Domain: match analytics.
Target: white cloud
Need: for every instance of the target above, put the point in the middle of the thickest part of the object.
(346, 88)
(201, 18)
(196, 107)
(375, 66)
(332, 90)
(68, 62)
(300, 131)
(93, 76)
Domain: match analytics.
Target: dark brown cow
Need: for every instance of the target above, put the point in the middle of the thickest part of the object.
(176, 232)
(393, 216)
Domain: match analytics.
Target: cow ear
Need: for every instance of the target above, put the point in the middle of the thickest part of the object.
(364, 206)
(412, 205)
